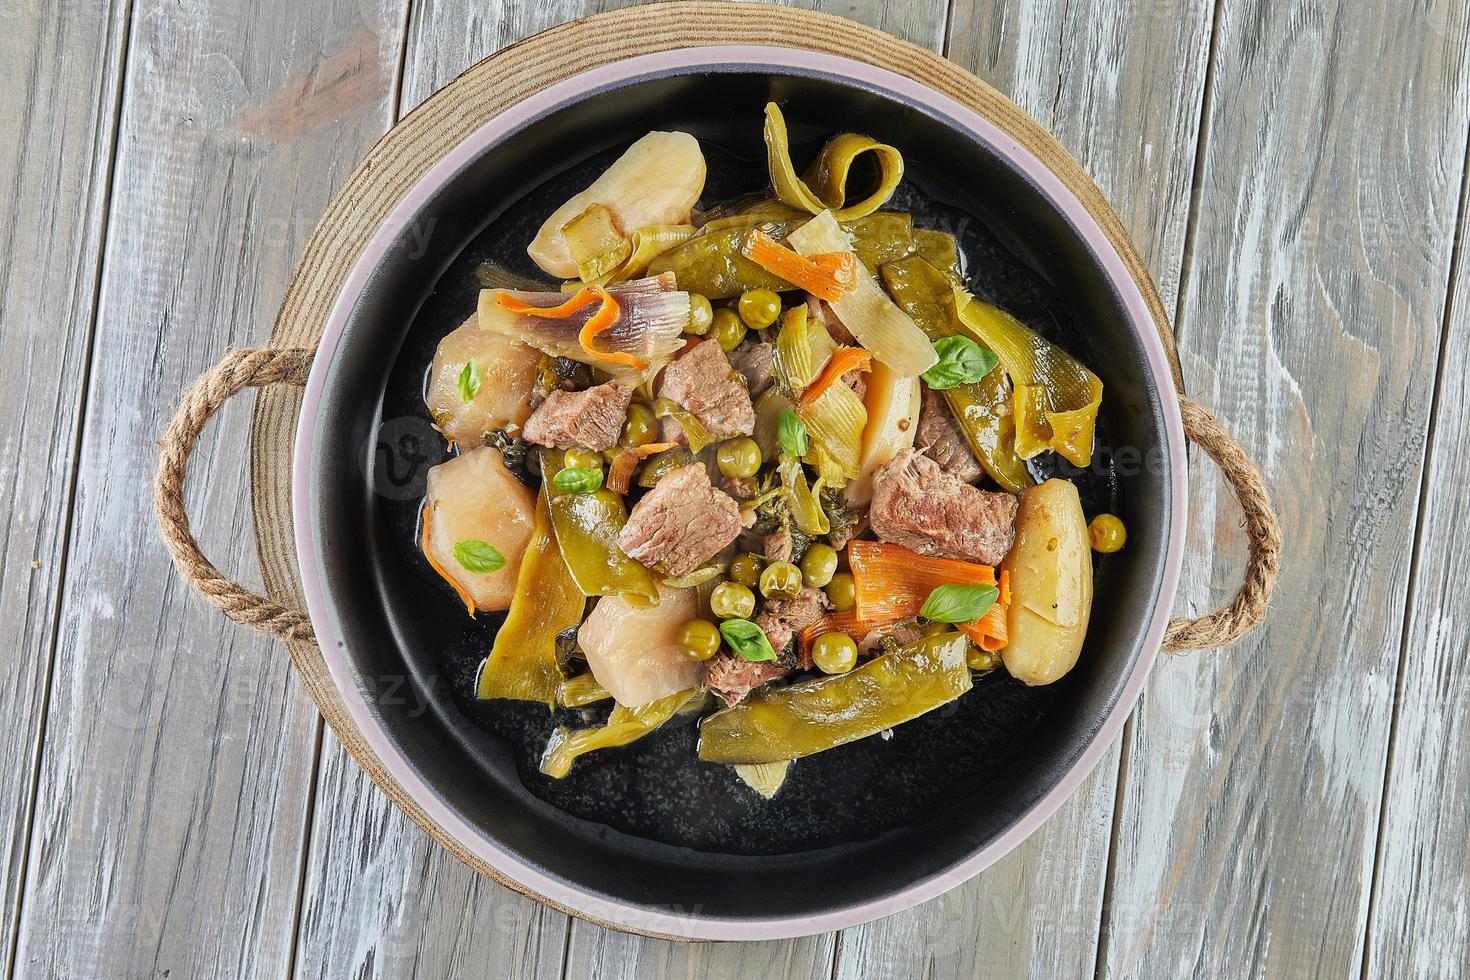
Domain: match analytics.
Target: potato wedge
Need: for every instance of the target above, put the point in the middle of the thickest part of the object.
(473, 497)
(506, 369)
(1051, 584)
(655, 182)
(893, 418)
(635, 653)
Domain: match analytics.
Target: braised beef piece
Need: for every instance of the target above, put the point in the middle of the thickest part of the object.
(592, 419)
(782, 619)
(777, 546)
(918, 505)
(939, 433)
(881, 639)
(702, 381)
(753, 361)
(740, 487)
(731, 677)
(681, 523)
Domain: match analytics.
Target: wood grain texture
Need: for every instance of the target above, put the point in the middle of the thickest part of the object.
(1120, 83)
(178, 749)
(380, 897)
(64, 65)
(366, 927)
(1313, 292)
(1420, 920)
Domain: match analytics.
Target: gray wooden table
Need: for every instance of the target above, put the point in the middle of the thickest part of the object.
(1294, 173)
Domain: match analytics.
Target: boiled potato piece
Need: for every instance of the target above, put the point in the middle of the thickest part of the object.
(507, 369)
(1051, 584)
(635, 652)
(655, 182)
(893, 419)
(474, 498)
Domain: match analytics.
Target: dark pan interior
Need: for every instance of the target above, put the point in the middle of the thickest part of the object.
(649, 825)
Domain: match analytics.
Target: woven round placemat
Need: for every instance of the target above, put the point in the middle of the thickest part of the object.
(407, 151)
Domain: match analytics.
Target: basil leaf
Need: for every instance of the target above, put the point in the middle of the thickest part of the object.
(747, 639)
(578, 479)
(961, 362)
(469, 381)
(791, 433)
(478, 556)
(959, 603)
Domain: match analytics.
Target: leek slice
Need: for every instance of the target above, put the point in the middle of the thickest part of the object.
(1055, 398)
(866, 310)
(825, 185)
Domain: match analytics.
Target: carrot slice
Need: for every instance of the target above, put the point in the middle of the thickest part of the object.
(989, 632)
(843, 360)
(891, 581)
(621, 470)
(460, 590)
(827, 276)
(605, 317)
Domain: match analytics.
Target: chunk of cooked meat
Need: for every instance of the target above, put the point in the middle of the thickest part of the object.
(777, 546)
(591, 419)
(881, 638)
(731, 677)
(939, 433)
(740, 487)
(782, 619)
(681, 523)
(753, 361)
(918, 505)
(704, 383)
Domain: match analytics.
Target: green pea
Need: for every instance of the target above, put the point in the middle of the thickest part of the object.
(746, 569)
(781, 580)
(728, 329)
(731, 600)
(759, 308)
(641, 427)
(982, 660)
(834, 653)
(577, 459)
(818, 565)
(701, 315)
(739, 458)
(700, 639)
(841, 592)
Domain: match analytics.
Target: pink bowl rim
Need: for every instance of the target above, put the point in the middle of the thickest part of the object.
(675, 922)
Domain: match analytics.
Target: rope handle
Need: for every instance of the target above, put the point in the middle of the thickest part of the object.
(1244, 612)
(236, 371)
(259, 368)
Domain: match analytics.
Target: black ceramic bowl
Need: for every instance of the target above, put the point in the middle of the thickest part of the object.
(647, 836)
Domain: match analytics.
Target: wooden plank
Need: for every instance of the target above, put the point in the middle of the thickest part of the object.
(1120, 84)
(380, 898)
(1313, 292)
(1418, 926)
(350, 915)
(64, 66)
(178, 750)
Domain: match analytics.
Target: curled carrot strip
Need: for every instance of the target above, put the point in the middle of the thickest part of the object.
(827, 276)
(843, 360)
(889, 580)
(990, 632)
(460, 590)
(621, 470)
(605, 317)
